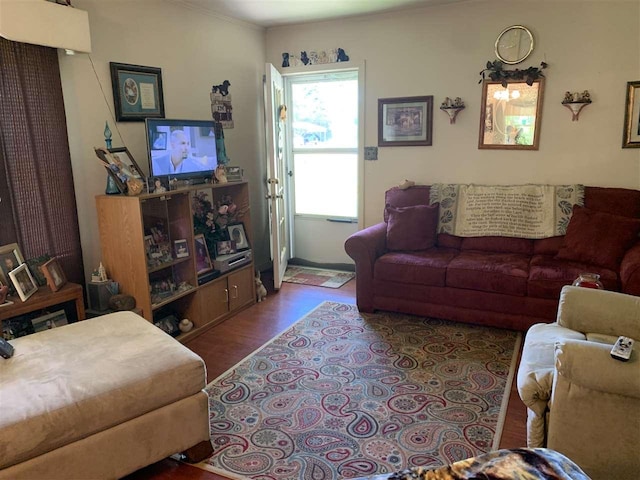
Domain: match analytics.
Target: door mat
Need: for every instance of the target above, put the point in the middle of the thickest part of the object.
(317, 276)
(342, 395)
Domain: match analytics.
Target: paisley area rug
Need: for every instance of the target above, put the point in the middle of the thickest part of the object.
(316, 276)
(342, 395)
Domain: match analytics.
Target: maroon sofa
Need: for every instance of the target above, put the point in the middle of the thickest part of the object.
(499, 281)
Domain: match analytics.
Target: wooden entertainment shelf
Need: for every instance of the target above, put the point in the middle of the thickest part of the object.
(124, 222)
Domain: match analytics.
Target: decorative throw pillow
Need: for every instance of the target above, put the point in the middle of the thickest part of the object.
(598, 238)
(412, 228)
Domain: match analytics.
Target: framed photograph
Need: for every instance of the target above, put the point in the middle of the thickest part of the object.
(54, 275)
(238, 236)
(137, 92)
(631, 134)
(181, 248)
(49, 321)
(125, 162)
(225, 247)
(158, 184)
(23, 282)
(405, 121)
(203, 261)
(10, 258)
(35, 265)
(234, 174)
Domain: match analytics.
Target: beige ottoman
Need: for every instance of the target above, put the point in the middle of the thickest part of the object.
(99, 399)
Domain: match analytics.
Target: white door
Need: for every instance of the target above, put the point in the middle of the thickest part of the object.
(274, 101)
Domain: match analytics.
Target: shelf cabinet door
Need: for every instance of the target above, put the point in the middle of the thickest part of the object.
(214, 301)
(241, 288)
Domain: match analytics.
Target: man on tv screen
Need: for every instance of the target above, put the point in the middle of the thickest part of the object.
(177, 159)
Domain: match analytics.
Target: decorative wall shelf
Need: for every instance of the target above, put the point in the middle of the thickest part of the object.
(576, 102)
(452, 108)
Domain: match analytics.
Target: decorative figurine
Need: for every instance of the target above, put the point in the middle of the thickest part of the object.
(185, 325)
(261, 291)
(304, 58)
(342, 56)
(222, 89)
(285, 59)
(107, 134)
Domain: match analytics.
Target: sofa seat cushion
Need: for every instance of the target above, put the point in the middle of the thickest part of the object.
(505, 273)
(547, 276)
(68, 383)
(427, 267)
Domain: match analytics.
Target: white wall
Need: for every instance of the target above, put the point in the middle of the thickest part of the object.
(195, 51)
(439, 51)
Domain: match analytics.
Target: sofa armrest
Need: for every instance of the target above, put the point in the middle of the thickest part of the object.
(599, 311)
(589, 365)
(365, 247)
(630, 271)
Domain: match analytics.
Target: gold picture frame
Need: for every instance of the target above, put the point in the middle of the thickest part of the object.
(631, 133)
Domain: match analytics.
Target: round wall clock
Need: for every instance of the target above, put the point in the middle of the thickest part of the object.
(514, 44)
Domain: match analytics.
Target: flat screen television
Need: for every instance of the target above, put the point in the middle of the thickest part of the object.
(181, 149)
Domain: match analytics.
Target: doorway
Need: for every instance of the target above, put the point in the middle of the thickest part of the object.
(322, 158)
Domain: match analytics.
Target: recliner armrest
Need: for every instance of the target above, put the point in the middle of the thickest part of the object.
(599, 311)
(630, 271)
(589, 365)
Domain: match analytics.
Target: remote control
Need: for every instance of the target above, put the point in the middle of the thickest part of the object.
(6, 349)
(622, 348)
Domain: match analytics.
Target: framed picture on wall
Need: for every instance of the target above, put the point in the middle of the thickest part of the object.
(137, 92)
(405, 121)
(631, 134)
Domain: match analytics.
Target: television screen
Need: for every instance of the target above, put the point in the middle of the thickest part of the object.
(184, 149)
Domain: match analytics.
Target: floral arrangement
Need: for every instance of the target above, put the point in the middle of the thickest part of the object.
(498, 73)
(212, 220)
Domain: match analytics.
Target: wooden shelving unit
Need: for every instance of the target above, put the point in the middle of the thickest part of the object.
(125, 221)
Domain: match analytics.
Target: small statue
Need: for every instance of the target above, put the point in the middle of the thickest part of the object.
(185, 325)
(568, 97)
(342, 56)
(261, 291)
(304, 58)
(223, 88)
(285, 59)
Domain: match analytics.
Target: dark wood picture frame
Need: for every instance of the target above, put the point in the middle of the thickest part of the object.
(54, 274)
(631, 133)
(405, 121)
(10, 252)
(137, 92)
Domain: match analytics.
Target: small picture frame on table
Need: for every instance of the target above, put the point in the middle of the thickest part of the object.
(239, 236)
(234, 174)
(23, 282)
(35, 266)
(181, 248)
(122, 168)
(10, 258)
(137, 92)
(54, 275)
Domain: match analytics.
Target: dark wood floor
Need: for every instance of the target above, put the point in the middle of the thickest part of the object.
(229, 342)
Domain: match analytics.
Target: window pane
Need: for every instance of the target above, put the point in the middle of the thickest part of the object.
(325, 114)
(326, 184)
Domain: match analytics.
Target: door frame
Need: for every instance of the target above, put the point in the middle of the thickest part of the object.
(315, 70)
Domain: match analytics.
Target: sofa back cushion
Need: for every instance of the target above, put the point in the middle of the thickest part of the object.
(411, 228)
(616, 201)
(598, 238)
(498, 244)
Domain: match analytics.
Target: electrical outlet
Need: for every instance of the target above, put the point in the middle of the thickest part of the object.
(371, 153)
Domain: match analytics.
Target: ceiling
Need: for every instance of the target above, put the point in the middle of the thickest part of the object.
(271, 13)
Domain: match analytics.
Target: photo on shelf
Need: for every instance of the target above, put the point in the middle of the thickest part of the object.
(10, 258)
(35, 265)
(23, 282)
(203, 261)
(225, 247)
(238, 235)
(181, 248)
(54, 275)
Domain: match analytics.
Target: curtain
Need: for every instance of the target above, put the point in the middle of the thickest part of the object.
(37, 197)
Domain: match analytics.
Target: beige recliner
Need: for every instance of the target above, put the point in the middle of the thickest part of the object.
(580, 401)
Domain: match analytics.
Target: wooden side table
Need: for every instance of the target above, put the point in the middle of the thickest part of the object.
(44, 298)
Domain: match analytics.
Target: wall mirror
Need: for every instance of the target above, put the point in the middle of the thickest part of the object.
(510, 117)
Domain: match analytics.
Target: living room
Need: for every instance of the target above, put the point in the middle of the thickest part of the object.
(438, 50)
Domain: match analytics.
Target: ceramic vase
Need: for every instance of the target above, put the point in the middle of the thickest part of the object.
(588, 280)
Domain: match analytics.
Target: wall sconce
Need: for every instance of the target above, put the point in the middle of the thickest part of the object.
(452, 108)
(576, 102)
